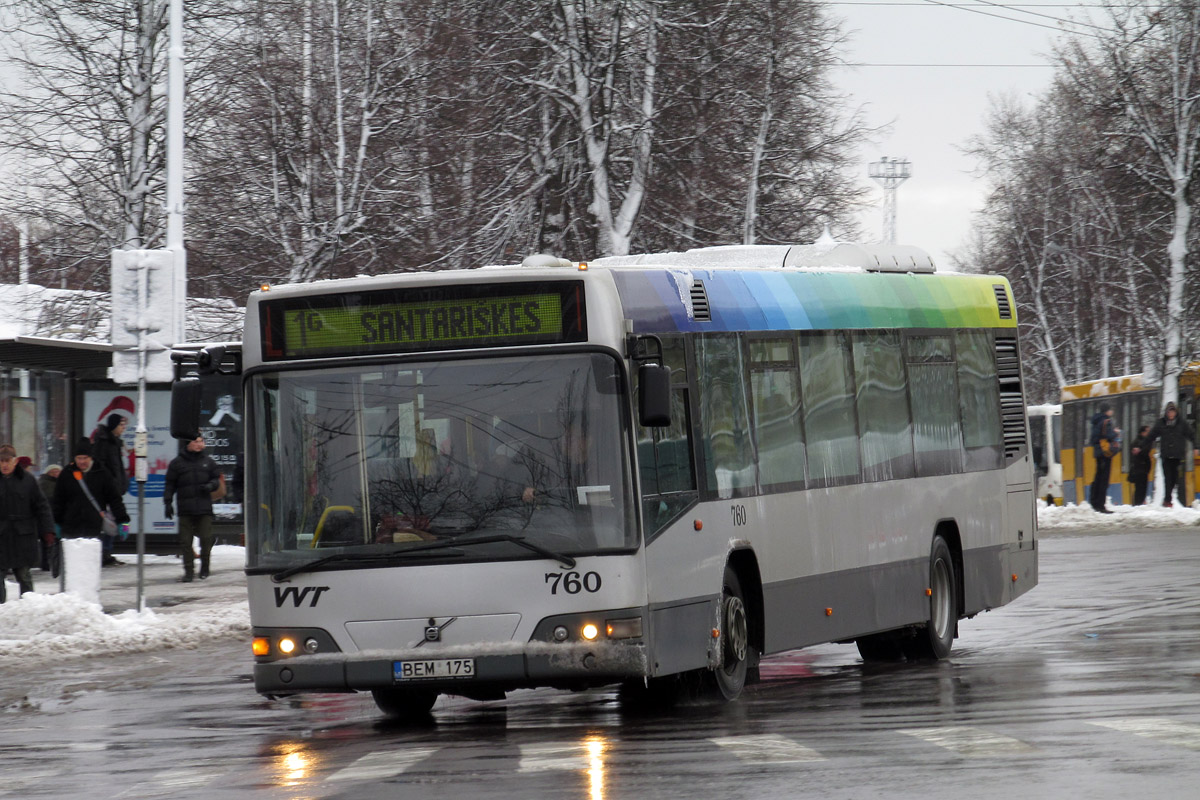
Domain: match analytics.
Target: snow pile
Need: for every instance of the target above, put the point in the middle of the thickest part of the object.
(48, 624)
(1123, 517)
(64, 625)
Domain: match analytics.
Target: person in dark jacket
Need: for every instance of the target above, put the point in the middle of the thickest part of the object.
(1176, 436)
(24, 517)
(192, 477)
(1106, 440)
(108, 450)
(46, 482)
(1139, 464)
(73, 511)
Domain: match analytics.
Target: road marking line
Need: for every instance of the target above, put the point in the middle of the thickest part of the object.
(1184, 734)
(768, 749)
(382, 764)
(15, 780)
(542, 757)
(970, 742)
(168, 782)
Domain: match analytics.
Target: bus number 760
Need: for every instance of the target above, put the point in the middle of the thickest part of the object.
(573, 582)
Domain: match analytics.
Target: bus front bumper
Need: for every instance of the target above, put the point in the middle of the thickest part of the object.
(503, 665)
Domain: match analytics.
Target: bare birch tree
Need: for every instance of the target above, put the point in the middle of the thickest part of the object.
(1146, 73)
(84, 122)
(1075, 234)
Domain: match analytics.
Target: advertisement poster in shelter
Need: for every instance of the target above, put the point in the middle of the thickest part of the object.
(220, 424)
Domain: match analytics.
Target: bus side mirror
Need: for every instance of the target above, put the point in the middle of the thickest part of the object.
(185, 407)
(654, 395)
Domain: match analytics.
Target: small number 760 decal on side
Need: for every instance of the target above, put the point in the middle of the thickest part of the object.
(573, 582)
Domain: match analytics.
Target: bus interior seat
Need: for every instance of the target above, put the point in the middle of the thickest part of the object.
(338, 526)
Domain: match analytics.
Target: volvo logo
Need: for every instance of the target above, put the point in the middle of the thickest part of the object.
(433, 631)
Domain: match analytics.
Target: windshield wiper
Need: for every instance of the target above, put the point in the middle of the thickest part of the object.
(561, 558)
(400, 555)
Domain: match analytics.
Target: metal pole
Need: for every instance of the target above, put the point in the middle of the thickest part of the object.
(141, 437)
(175, 89)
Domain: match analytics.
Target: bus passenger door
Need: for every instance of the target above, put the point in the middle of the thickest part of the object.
(667, 485)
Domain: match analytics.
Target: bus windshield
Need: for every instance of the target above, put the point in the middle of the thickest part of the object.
(378, 461)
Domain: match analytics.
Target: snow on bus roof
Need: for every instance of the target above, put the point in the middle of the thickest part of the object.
(826, 256)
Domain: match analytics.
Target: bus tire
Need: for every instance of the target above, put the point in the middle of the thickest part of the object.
(934, 639)
(736, 650)
(405, 704)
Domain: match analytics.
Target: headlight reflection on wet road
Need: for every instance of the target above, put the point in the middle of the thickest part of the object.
(293, 765)
(596, 747)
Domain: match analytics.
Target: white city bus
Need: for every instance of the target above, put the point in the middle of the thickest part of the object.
(570, 475)
(1045, 444)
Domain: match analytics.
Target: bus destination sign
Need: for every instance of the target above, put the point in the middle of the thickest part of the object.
(429, 318)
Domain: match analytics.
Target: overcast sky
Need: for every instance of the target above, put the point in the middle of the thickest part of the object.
(934, 110)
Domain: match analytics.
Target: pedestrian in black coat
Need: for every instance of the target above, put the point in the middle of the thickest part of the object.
(192, 477)
(1177, 436)
(1139, 464)
(1106, 441)
(24, 516)
(108, 450)
(47, 482)
(73, 511)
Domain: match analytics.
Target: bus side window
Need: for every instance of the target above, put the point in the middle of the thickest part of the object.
(979, 401)
(730, 460)
(775, 403)
(882, 400)
(933, 396)
(830, 418)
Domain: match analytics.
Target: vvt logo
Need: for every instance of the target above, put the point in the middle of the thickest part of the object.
(298, 595)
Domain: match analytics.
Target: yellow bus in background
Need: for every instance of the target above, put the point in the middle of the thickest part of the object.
(1135, 403)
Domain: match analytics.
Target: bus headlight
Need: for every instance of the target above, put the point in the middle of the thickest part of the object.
(589, 631)
(287, 646)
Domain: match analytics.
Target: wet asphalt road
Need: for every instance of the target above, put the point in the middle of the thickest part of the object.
(1089, 686)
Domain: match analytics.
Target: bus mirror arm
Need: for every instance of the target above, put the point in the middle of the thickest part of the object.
(210, 360)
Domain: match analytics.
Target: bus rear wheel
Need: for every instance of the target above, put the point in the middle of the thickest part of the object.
(936, 637)
(736, 650)
(405, 704)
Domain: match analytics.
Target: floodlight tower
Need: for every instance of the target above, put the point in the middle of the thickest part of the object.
(889, 175)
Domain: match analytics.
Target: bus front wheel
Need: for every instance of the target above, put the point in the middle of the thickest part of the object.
(405, 704)
(936, 637)
(736, 649)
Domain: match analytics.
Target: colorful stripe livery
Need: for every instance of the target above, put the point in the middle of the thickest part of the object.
(769, 300)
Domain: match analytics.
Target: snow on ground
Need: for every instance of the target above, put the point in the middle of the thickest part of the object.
(1085, 517)
(47, 624)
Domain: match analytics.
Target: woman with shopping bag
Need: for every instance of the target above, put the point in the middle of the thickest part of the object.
(87, 501)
